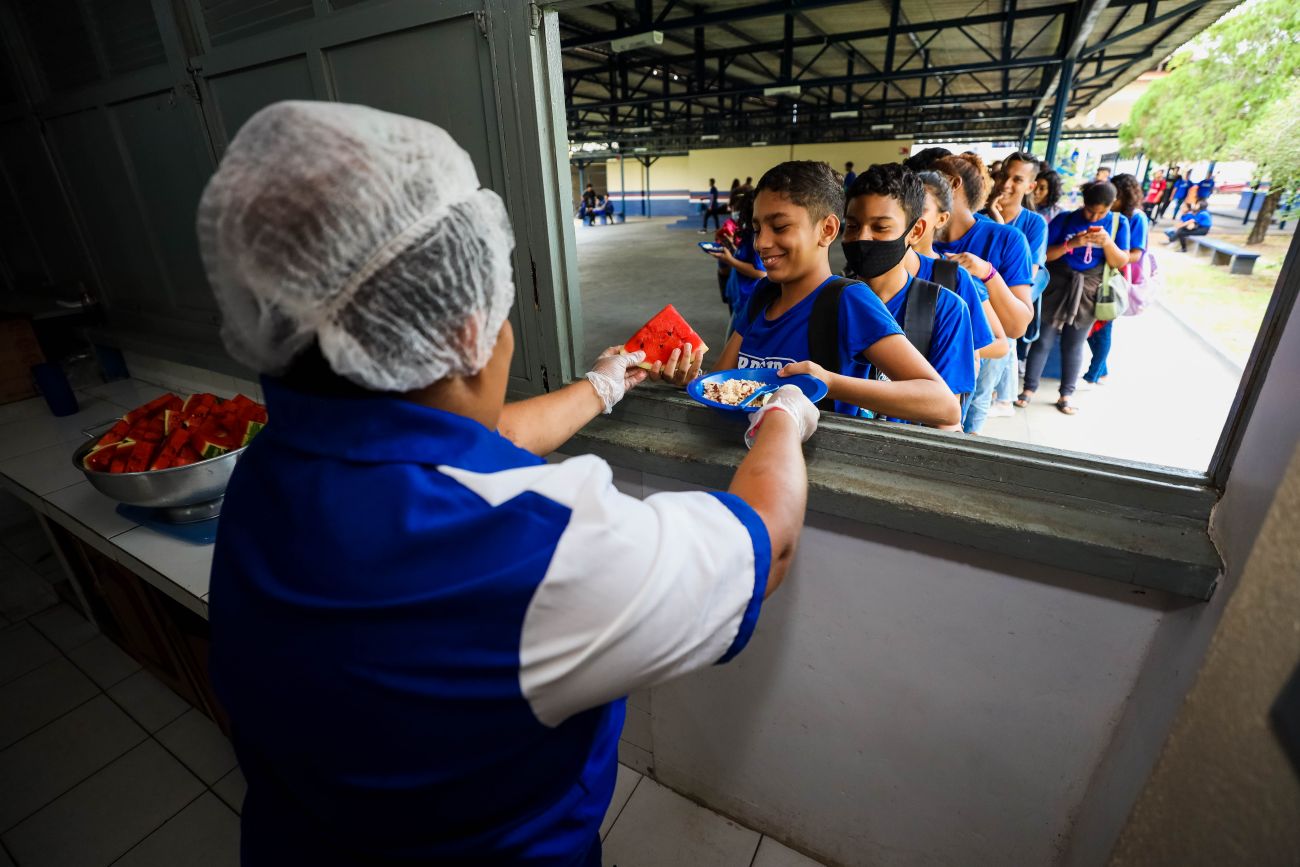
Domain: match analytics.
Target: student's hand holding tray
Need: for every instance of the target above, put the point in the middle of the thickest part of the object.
(712, 389)
(674, 352)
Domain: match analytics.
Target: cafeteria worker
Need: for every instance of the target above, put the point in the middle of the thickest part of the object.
(422, 632)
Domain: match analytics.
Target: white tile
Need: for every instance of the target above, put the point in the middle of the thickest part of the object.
(21, 409)
(129, 393)
(39, 697)
(23, 649)
(773, 854)
(89, 507)
(148, 700)
(624, 785)
(639, 760)
(659, 828)
(107, 814)
(231, 788)
(196, 741)
(639, 699)
(185, 564)
(23, 592)
(103, 661)
(44, 471)
(204, 834)
(31, 434)
(65, 626)
(636, 729)
(49, 762)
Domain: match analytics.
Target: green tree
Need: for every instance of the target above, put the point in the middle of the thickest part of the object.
(1221, 86)
(1273, 142)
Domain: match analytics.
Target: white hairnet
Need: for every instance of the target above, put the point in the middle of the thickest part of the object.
(364, 230)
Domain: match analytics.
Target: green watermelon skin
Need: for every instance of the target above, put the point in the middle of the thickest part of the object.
(666, 331)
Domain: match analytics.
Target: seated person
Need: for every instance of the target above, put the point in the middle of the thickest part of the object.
(606, 209)
(796, 219)
(1198, 222)
(883, 221)
(587, 210)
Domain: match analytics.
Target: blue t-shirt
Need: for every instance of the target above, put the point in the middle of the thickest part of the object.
(1202, 218)
(970, 291)
(952, 350)
(421, 632)
(1180, 189)
(1067, 225)
(740, 287)
(1000, 245)
(775, 343)
(1139, 231)
(1034, 228)
(1205, 188)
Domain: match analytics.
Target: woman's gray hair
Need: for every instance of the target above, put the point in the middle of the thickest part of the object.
(937, 185)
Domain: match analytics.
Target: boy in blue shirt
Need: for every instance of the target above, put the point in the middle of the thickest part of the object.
(1205, 189)
(796, 219)
(885, 206)
(1181, 188)
(1196, 223)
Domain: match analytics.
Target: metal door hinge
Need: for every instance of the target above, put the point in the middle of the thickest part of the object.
(537, 294)
(482, 20)
(546, 380)
(535, 14)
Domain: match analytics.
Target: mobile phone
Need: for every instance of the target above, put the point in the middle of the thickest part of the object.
(1094, 228)
(710, 247)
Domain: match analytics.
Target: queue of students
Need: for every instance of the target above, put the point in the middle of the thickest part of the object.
(952, 275)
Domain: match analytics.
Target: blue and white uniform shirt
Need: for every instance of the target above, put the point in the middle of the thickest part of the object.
(422, 633)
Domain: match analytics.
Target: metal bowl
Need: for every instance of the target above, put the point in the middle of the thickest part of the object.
(174, 489)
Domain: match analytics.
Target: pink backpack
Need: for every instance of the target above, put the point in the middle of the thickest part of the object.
(1145, 279)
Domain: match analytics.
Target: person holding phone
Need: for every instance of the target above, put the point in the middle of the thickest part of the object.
(1079, 246)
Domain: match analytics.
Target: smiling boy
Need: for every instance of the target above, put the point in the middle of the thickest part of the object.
(796, 219)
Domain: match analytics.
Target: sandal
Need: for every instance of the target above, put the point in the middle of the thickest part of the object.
(1064, 406)
(1022, 399)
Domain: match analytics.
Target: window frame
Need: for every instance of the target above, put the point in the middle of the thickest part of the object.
(1062, 478)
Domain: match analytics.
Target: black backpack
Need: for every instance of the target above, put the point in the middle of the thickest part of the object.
(824, 321)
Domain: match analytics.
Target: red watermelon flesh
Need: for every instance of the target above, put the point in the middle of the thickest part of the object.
(661, 335)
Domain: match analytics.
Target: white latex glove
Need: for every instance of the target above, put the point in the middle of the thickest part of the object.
(791, 400)
(615, 372)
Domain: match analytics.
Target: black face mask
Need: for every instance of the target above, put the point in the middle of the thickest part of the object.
(870, 259)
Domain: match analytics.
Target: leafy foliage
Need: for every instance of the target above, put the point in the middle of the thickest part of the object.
(1221, 87)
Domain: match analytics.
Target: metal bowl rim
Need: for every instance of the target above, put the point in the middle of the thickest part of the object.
(85, 449)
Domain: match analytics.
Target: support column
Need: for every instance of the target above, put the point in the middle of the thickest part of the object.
(1063, 89)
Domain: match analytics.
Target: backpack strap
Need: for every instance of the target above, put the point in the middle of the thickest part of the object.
(824, 330)
(944, 272)
(764, 294)
(918, 317)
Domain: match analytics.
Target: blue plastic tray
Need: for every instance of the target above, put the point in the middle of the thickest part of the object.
(811, 386)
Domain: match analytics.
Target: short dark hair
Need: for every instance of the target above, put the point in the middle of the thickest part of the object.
(892, 180)
(1128, 193)
(1099, 193)
(1021, 157)
(809, 184)
(937, 185)
(1202, 205)
(848, 165)
(1101, 169)
(923, 161)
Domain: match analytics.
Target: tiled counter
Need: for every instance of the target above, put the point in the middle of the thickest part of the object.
(36, 465)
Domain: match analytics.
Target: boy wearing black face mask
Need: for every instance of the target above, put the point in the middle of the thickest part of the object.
(803, 319)
(882, 220)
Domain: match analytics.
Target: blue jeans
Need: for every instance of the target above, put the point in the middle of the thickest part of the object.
(1099, 343)
(978, 408)
(1007, 385)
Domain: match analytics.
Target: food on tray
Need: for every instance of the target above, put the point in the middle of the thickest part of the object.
(170, 432)
(733, 392)
(661, 335)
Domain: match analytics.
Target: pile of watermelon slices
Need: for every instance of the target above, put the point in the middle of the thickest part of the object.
(169, 432)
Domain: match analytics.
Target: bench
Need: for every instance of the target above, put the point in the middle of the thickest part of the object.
(1239, 261)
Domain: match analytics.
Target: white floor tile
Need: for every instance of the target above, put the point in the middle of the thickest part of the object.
(103, 661)
(23, 649)
(84, 504)
(39, 697)
(635, 758)
(773, 854)
(23, 592)
(104, 816)
(64, 626)
(49, 762)
(659, 828)
(186, 564)
(624, 785)
(636, 729)
(197, 742)
(204, 834)
(231, 788)
(44, 471)
(148, 700)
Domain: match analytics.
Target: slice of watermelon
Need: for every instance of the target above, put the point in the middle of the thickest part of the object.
(661, 335)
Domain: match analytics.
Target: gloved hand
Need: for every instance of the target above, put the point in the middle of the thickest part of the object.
(615, 372)
(791, 400)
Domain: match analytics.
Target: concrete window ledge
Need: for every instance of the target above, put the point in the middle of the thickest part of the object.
(1142, 525)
